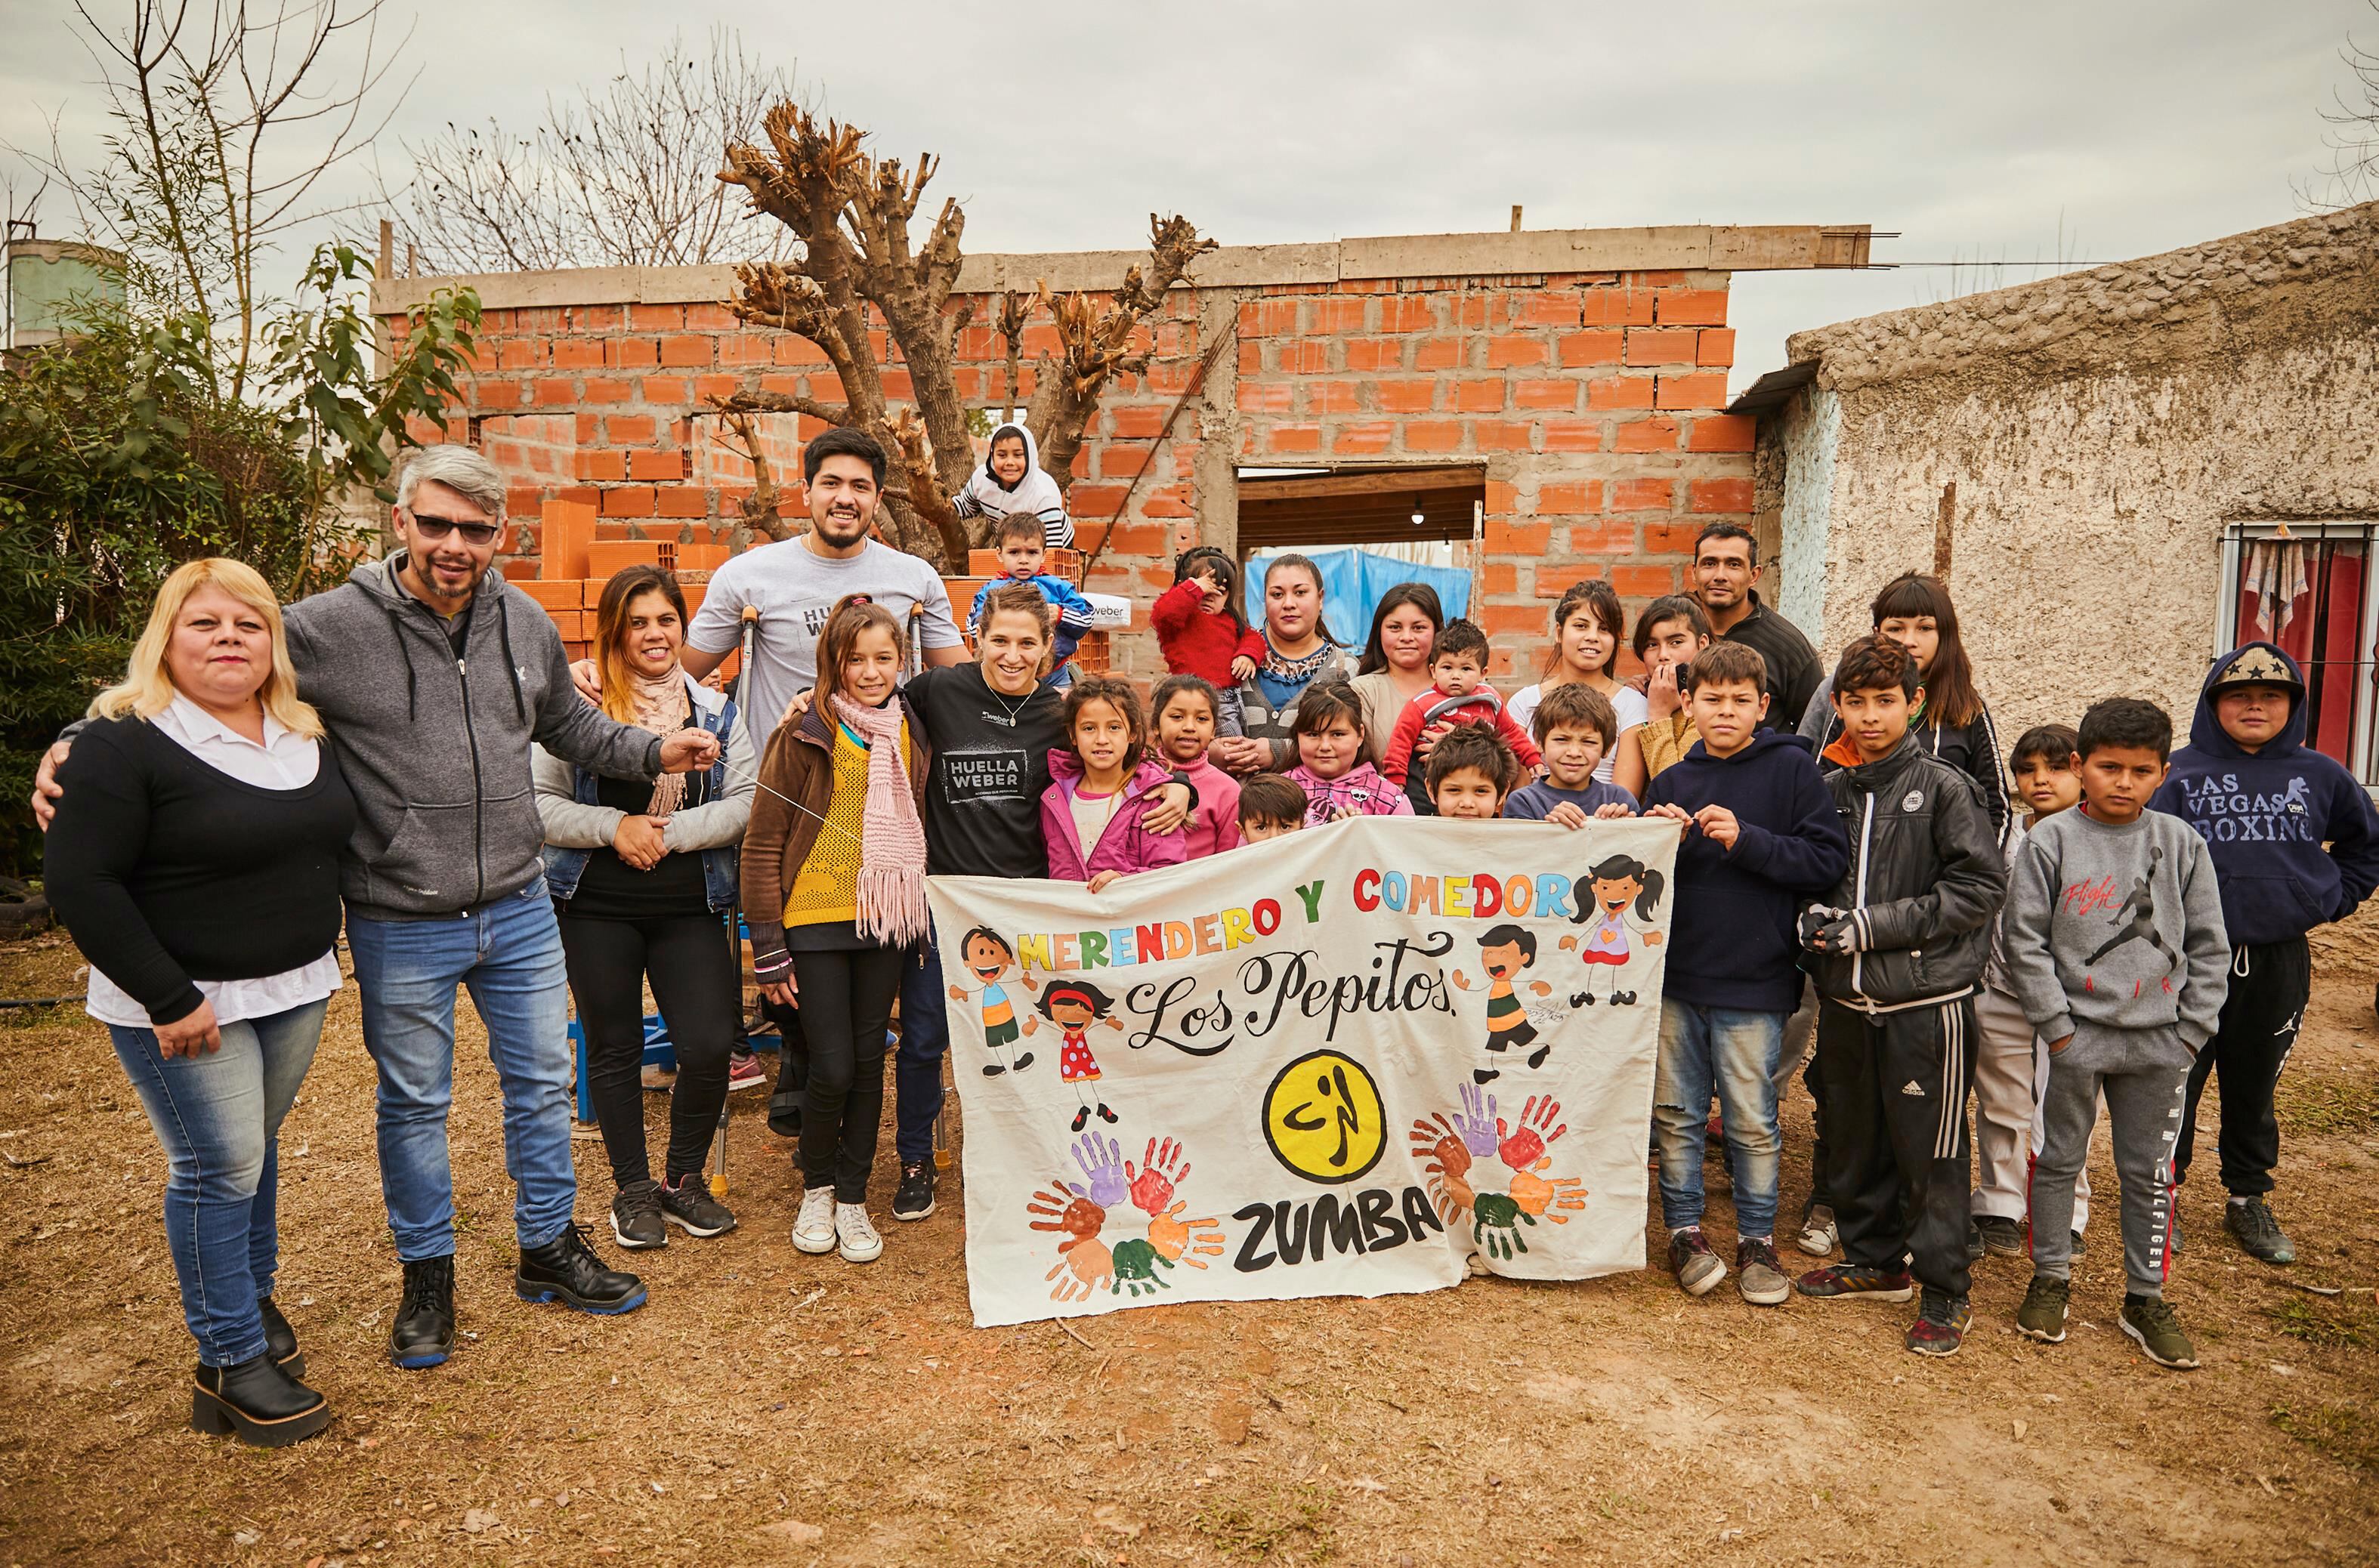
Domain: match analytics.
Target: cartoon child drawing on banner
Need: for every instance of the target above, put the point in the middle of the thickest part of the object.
(1616, 882)
(1503, 952)
(989, 957)
(1074, 1006)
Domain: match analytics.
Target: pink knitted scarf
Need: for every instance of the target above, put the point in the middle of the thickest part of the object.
(892, 839)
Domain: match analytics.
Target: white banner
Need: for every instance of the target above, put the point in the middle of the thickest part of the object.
(1334, 1064)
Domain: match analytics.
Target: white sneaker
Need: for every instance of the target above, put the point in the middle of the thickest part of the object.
(857, 1234)
(813, 1226)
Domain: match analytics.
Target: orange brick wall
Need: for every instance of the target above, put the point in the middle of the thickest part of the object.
(1593, 400)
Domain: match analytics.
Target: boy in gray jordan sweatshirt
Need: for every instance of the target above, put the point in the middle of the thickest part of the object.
(2115, 944)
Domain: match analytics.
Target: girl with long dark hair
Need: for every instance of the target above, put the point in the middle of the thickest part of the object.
(1395, 666)
(1915, 611)
(1589, 628)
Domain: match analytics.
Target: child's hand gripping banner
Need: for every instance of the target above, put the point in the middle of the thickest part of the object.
(1336, 1062)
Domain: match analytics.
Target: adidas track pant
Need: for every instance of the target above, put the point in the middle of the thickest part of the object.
(1897, 1158)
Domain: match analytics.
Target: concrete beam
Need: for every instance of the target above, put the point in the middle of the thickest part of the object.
(1528, 252)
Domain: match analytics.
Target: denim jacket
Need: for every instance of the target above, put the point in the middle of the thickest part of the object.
(575, 826)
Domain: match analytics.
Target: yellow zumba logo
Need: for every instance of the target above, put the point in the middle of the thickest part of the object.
(1323, 1117)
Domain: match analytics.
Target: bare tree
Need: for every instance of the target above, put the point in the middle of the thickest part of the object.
(858, 268)
(2353, 138)
(227, 118)
(621, 177)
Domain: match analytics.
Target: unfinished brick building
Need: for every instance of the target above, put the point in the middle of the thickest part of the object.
(1571, 383)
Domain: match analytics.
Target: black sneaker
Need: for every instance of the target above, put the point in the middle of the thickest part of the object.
(1940, 1325)
(2257, 1231)
(1857, 1282)
(423, 1334)
(2002, 1237)
(914, 1200)
(688, 1205)
(279, 1339)
(567, 1270)
(636, 1216)
(257, 1402)
(1973, 1242)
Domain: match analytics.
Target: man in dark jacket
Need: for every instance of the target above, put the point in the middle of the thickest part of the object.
(1761, 836)
(1900, 949)
(2295, 844)
(433, 675)
(1726, 565)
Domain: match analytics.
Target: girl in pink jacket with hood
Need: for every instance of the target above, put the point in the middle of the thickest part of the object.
(1093, 815)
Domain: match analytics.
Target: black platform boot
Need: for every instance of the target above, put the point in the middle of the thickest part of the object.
(257, 1402)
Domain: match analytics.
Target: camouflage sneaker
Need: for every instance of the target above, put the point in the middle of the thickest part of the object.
(1855, 1279)
(2257, 1231)
(2150, 1320)
(1940, 1325)
(2042, 1316)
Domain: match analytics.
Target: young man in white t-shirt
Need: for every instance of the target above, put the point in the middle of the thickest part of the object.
(794, 583)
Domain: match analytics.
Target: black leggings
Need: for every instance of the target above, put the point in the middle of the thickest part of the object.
(694, 985)
(846, 1006)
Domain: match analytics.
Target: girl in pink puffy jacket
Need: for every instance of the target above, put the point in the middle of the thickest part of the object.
(1093, 815)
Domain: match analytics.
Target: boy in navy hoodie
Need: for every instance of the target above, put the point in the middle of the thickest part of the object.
(2265, 803)
(1762, 835)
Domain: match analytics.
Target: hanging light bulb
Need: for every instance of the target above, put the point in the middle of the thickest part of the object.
(1419, 516)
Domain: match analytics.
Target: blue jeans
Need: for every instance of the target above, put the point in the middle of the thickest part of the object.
(217, 1114)
(509, 953)
(1737, 1050)
(917, 1065)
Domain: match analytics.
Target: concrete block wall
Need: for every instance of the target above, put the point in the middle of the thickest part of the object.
(1592, 400)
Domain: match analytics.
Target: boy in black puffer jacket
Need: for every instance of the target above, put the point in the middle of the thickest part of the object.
(1898, 949)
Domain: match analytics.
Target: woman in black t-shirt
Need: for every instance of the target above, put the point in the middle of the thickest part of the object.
(643, 875)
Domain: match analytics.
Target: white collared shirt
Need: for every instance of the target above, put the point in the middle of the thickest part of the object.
(285, 761)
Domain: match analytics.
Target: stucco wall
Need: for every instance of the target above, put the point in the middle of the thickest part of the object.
(2101, 428)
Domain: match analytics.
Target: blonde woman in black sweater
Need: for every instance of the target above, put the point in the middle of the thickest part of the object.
(195, 860)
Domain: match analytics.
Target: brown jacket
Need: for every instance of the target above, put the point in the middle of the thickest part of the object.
(798, 768)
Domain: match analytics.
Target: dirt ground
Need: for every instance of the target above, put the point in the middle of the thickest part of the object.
(769, 1407)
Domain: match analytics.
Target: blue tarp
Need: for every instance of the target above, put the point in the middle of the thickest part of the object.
(1353, 581)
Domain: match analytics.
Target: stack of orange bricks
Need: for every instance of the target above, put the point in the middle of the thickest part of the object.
(575, 564)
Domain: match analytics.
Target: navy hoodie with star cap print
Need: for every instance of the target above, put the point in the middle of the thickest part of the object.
(2295, 840)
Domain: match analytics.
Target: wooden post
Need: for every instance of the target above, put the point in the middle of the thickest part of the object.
(1515, 217)
(1477, 558)
(1941, 528)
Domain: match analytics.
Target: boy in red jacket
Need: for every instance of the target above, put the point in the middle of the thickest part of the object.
(1459, 694)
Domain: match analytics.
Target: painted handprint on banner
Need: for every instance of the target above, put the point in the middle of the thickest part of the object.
(1455, 1149)
(1164, 1168)
(1093, 1217)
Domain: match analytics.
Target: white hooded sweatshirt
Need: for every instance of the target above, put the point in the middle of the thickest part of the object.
(1034, 492)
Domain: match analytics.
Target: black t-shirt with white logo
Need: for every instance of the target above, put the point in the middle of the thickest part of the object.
(991, 764)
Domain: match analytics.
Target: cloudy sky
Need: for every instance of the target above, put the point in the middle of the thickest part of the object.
(1982, 132)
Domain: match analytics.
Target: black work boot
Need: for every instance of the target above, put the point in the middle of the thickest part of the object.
(423, 1334)
(567, 1270)
(279, 1339)
(257, 1402)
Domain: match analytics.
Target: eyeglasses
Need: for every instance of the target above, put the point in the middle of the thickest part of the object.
(439, 527)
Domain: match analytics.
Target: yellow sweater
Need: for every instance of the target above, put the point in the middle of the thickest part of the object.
(1664, 741)
(826, 891)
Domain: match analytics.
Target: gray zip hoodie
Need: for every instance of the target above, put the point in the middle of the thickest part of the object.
(2119, 926)
(435, 747)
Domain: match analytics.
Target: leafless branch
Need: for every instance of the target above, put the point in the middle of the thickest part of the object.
(2352, 137)
(620, 177)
